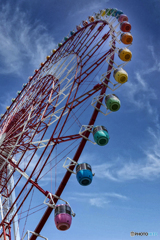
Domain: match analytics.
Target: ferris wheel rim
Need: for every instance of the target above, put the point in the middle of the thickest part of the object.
(64, 44)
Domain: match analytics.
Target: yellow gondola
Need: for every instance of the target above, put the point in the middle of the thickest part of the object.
(120, 75)
(125, 54)
(103, 13)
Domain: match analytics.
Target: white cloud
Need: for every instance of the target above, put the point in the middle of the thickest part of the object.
(116, 195)
(23, 44)
(156, 66)
(138, 90)
(7, 101)
(141, 81)
(152, 133)
(139, 93)
(109, 194)
(103, 171)
(98, 202)
(156, 62)
(95, 6)
(96, 199)
(145, 168)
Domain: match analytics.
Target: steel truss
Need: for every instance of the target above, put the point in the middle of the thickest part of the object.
(38, 107)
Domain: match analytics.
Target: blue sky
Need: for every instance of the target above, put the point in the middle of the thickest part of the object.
(124, 195)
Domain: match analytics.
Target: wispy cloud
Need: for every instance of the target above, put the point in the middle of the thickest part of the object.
(116, 195)
(95, 6)
(156, 62)
(98, 202)
(138, 90)
(139, 93)
(96, 199)
(104, 171)
(6, 101)
(27, 46)
(145, 168)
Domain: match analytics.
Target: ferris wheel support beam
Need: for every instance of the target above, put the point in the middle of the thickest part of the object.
(4, 206)
(15, 220)
(77, 155)
(4, 233)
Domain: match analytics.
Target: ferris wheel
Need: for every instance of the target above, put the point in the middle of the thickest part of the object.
(57, 109)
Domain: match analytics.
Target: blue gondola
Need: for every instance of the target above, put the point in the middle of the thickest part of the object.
(84, 174)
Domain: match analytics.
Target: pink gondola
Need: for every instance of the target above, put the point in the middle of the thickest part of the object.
(63, 217)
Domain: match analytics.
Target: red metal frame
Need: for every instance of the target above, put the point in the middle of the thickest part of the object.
(76, 157)
(74, 42)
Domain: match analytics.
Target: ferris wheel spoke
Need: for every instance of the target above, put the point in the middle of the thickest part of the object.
(94, 66)
(78, 101)
(95, 48)
(65, 95)
(28, 180)
(53, 141)
(20, 134)
(85, 96)
(64, 111)
(81, 43)
(89, 29)
(68, 73)
(92, 37)
(76, 40)
(88, 43)
(57, 70)
(62, 92)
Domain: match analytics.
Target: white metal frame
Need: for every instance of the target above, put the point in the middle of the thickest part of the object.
(108, 58)
(74, 163)
(67, 166)
(53, 205)
(85, 128)
(114, 86)
(5, 204)
(12, 199)
(38, 235)
(97, 99)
